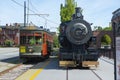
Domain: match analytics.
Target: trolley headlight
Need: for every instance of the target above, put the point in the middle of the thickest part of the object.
(30, 50)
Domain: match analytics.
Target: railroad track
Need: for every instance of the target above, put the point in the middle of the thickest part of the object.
(7, 70)
(96, 75)
(106, 61)
(14, 72)
(67, 73)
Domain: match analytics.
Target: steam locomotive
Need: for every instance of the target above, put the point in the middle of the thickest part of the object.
(77, 42)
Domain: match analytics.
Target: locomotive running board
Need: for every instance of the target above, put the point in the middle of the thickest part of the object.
(67, 64)
(90, 63)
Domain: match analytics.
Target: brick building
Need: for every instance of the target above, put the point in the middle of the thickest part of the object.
(9, 32)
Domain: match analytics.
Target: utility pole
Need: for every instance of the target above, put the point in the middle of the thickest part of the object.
(24, 13)
(28, 13)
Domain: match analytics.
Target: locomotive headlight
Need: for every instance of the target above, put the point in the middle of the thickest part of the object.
(78, 14)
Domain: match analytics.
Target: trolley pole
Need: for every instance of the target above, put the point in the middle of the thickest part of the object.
(43, 17)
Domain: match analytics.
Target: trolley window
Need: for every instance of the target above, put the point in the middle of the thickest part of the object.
(31, 38)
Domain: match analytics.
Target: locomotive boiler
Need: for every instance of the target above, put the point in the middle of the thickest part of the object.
(77, 42)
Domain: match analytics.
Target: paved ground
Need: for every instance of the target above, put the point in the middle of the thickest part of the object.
(106, 70)
(49, 70)
(8, 58)
(6, 53)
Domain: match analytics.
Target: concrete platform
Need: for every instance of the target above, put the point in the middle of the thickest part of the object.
(50, 70)
(32, 73)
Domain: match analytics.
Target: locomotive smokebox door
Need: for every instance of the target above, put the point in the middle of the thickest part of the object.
(78, 32)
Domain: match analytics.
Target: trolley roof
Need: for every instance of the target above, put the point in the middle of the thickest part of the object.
(34, 28)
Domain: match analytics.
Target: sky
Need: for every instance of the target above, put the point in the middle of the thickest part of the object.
(98, 12)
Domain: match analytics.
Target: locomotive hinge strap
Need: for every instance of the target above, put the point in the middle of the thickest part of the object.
(90, 63)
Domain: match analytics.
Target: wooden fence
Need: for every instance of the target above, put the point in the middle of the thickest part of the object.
(106, 53)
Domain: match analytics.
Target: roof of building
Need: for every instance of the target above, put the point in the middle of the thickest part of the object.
(116, 13)
(21, 26)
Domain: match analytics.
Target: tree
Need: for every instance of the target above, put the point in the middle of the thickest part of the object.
(9, 42)
(107, 28)
(67, 10)
(32, 41)
(106, 40)
(98, 28)
(55, 41)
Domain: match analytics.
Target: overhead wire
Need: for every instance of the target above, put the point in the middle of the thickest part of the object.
(35, 12)
(17, 3)
(33, 6)
(44, 17)
(38, 12)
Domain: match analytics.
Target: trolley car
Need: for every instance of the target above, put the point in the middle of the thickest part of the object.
(35, 43)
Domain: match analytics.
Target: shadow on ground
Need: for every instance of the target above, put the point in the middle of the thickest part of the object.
(13, 60)
(53, 64)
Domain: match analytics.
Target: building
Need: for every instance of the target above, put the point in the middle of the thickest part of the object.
(9, 32)
(116, 21)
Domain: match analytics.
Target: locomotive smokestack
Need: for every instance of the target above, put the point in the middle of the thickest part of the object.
(78, 13)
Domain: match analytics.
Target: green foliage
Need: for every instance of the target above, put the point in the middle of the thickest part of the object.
(107, 29)
(99, 28)
(9, 42)
(68, 10)
(39, 41)
(55, 42)
(106, 40)
(32, 41)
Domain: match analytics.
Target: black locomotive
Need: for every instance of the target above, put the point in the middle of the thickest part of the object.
(76, 40)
